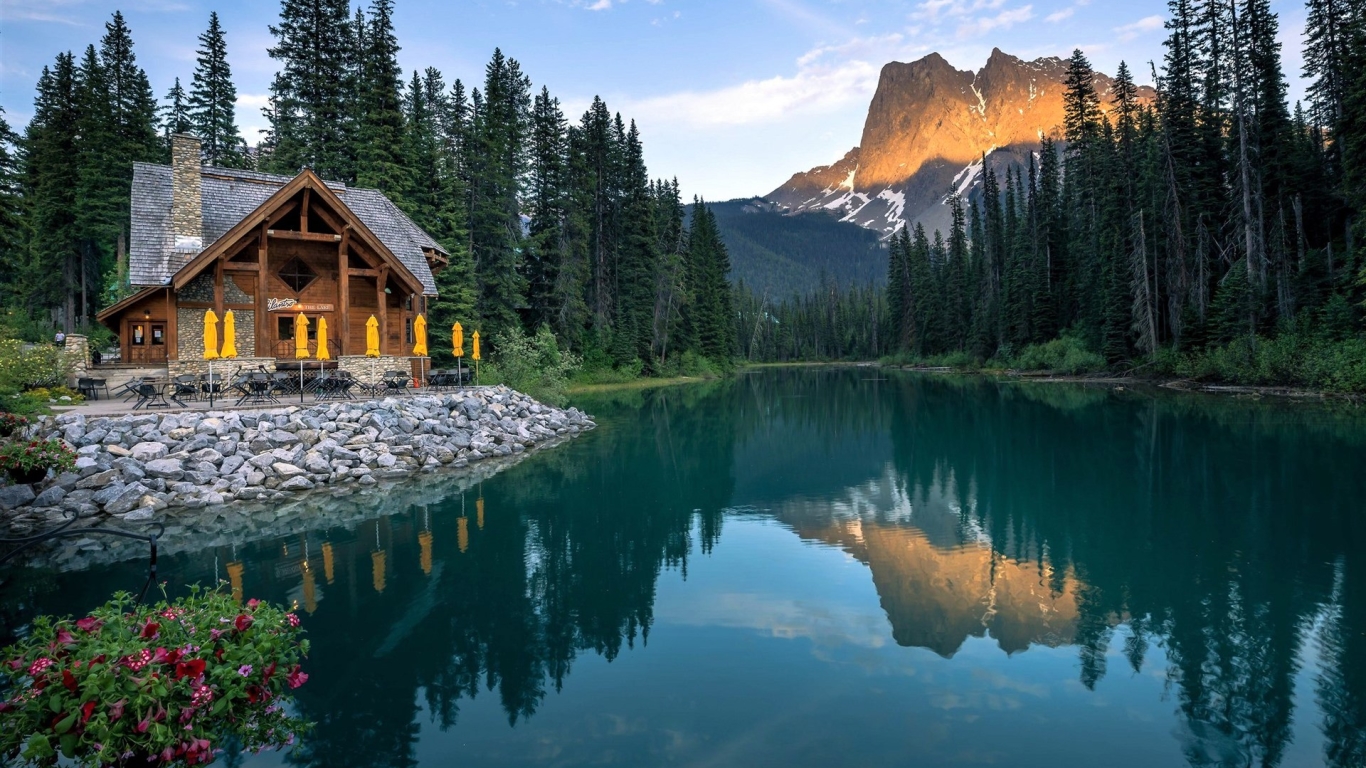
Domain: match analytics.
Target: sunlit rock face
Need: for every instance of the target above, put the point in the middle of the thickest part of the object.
(928, 128)
(938, 578)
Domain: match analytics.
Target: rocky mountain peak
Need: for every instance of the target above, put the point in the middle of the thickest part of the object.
(928, 128)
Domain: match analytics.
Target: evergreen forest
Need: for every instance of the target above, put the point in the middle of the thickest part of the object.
(551, 222)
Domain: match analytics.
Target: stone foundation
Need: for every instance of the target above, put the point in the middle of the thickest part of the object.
(224, 368)
(370, 370)
(77, 353)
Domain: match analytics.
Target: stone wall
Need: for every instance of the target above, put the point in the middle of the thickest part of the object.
(186, 205)
(370, 370)
(199, 366)
(77, 353)
(190, 327)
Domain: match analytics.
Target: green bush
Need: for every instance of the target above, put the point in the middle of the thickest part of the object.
(532, 365)
(1067, 355)
(1288, 360)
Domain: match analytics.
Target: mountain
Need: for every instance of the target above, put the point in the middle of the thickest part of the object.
(928, 129)
(783, 255)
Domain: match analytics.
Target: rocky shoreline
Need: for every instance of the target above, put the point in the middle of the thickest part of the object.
(134, 467)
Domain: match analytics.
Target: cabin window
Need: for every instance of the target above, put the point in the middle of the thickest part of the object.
(158, 335)
(408, 303)
(408, 331)
(139, 332)
(284, 327)
(297, 275)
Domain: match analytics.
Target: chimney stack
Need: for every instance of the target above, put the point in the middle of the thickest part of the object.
(187, 221)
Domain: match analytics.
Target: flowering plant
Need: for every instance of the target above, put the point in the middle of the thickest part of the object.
(159, 686)
(11, 423)
(22, 457)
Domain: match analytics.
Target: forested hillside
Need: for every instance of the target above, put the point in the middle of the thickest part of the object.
(550, 222)
(1213, 234)
(783, 255)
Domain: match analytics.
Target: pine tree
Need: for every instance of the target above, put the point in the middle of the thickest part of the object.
(213, 100)
(11, 214)
(379, 158)
(312, 123)
(546, 205)
(51, 176)
(638, 260)
(175, 115)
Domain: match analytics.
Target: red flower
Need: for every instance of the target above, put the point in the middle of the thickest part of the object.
(143, 726)
(191, 669)
(243, 622)
(69, 680)
(150, 629)
(87, 709)
(64, 637)
(89, 624)
(296, 678)
(268, 673)
(218, 654)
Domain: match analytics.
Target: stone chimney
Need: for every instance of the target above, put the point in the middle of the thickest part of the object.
(187, 221)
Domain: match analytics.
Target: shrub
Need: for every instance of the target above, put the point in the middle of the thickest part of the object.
(534, 365)
(159, 685)
(20, 456)
(11, 423)
(1067, 354)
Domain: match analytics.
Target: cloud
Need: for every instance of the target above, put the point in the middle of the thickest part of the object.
(1142, 26)
(811, 90)
(601, 5)
(1003, 20)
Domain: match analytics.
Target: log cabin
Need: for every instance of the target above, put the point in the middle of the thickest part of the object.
(267, 247)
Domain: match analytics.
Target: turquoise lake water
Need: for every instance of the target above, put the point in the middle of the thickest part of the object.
(839, 567)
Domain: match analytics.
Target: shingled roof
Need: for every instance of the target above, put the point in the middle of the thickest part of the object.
(229, 196)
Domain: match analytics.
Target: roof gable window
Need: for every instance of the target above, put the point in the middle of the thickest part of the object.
(297, 275)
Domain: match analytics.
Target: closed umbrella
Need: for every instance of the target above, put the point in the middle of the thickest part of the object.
(301, 347)
(210, 348)
(420, 346)
(210, 335)
(322, 340)
(458, 347)
(372, 337)
(229, 336)
(476, 357)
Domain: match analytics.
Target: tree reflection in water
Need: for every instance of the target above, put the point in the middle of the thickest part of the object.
(1226, 534)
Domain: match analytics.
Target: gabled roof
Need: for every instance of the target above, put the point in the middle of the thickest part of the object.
(228, 196)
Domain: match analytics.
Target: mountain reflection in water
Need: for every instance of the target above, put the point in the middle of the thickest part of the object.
(1183, 576)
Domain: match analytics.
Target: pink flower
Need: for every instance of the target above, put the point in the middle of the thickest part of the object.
(38, 666)
(150, 629)
(296, 678)
(214, 634)
(243, 622)
(252, 603)
(142, 726)
(89, 624)
(202, 696)
(292, 619)
(116, 710)
(244, 670)
(64, 637)
(139, 660)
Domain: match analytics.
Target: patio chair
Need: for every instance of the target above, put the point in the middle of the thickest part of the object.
(151, 395)
(211, 384)
(395, 381)
(185, 387)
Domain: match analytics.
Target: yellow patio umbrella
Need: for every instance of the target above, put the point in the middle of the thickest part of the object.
(229, 336)
(300, 336)
(458, 347)
(476, 357)
(328, 563)
(235, 579)
(372, 337)
(322, 339)
(424, 543)
(310, 589)
(420, 336)
(462, 533)
(210, 335)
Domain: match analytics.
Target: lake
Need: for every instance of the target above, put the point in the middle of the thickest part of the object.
(820, 567)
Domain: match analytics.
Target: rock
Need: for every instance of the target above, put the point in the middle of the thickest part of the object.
(52, 497)
(231, 464)
(287, 470)
(296, 484)
(126, 501)
(315, 462)
(146, 452)
(105, 494)
(118, 450)
(140, 514)
(12, 496)
(99, 479)
(386, 460)
(280, 437)
(166, 469)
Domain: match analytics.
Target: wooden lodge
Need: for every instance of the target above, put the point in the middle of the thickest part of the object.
(266, 247)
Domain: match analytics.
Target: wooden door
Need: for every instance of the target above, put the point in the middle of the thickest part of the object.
(144, 341)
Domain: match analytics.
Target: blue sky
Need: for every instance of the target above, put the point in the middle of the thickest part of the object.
(731, 96)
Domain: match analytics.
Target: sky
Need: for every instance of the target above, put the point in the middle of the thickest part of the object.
(731, 96)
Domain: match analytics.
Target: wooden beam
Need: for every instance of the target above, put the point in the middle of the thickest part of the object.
(363, 272)
(172, 340)
(262, 315)
(241, 266)
(303, 212)
(328, 218)
(344, 290)
(380, 283)
(281, 212)
(218, 288)
(316, 237)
